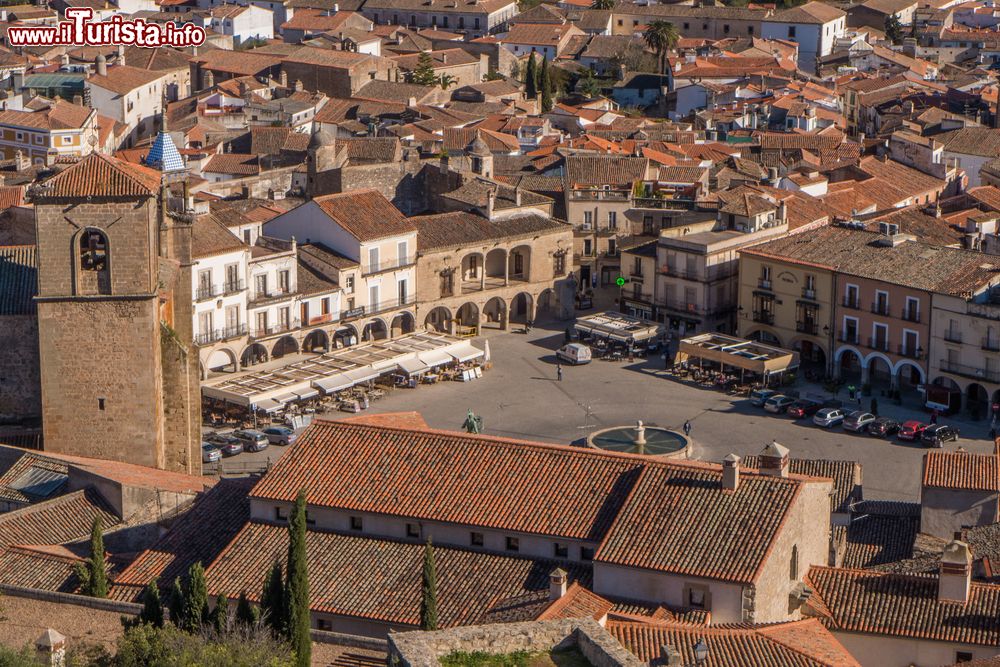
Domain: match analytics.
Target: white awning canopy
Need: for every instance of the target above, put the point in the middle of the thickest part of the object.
(269, 406)
(435, 357)
(286, 398)
(413, 366)
(307, 393)
(363, 374)
(333, 383)
(465, 352)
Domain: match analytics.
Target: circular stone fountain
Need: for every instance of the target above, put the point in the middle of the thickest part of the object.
(641, 439)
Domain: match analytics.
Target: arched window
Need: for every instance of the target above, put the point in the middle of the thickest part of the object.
(94, 262)
(793, 564)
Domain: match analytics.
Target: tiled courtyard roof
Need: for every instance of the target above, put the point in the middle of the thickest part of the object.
(881, 533)
(18, 280)
(962, 471)
(605, 170)
(44, 569)
(55, 521)
(903, 605)
(578, 602)
(365, 214)
(841, 472)
(459, 228)
(796, 644)
(209, 236)
(379, 579)
(98, 175)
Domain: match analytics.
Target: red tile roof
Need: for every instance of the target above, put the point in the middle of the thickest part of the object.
(55, 521)
(98, 175)
(796, 644)
(379, 579)
(578, 602)
(236, 164)
(962, 471)
(903, 605)
(123, 79)
(366, 214)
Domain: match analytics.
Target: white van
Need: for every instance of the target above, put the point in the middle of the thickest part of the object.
(574, 353)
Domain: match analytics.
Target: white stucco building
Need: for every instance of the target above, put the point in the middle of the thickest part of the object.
(814, 25)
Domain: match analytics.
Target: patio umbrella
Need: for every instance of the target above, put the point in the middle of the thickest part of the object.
(486, 350)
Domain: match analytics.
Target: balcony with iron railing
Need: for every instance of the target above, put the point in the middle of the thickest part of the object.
(602, 195)
(764, 283)
(228, 333)
(690, 308)
(274, 329)
(876, 343)
(662, 204)
(391, 304)
(233, 287)
(880, 308)
(952, 336)
(854, 303)
(389, 265)
(911, 352)
(264, 298)
(849, 337)
(806, 327)
(974, 372)
(910, 315)
(205, 292)
(808, 293)
(763, 317)
(635, 273)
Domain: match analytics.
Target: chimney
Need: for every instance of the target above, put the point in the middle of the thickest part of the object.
(411, 102)
(517, 195)
(782, 212)
(283, 79)
(772, 176)
(298, 85)
(444, 58)
(50, 648)
(101, 65)
(64, 60)
(557, 583)
(491, 200)
(774, 460)
(78, 100)
(731, 473)
(209, 79)
(120, 55)
(955, 574)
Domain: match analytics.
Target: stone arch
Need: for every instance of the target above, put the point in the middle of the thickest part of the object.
(222, 359)
(908, 375)
(546, 301)
(468, 315)
(375, 329)
(522, 308)
(849, 364)
(519, 263)
(810, 352)
(471, 272)
(254, 353)
(880, 370)
(284, 345)
(438, 319)
(495, 313)
(496, 267)
(977, 400)
(342, 336)
(947, 382)
(91, 254)
(764, 336)
(402, 323)
(316, 340)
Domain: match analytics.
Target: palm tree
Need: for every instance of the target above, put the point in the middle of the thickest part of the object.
(661, 36)
(447, 80)
(603, 4)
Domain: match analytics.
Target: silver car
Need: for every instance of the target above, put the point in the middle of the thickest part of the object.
(279, 435)
(253, 441)
(828, 417)
(778, 403)
(759, 396)
(210, 453)
(858, 421)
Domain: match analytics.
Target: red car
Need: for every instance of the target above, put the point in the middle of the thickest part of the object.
(800, 409)
(911, 430)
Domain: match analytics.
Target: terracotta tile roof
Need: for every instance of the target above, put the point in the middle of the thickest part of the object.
(796, 644)
(314, 279)
(538, 34)
(459, 229)
(476, 192)
(209, 237)
(365, 214)
(440, 59)
(200, 534)
(962, 471)
(903, 605)
(984, 141)
(55, 521)
(472, 586)
(811, 12)
(881, 533)
(703, 534)
(632, 610)
(362, 150)
(441, 6)
(11, 195)
(462, 489)
(790, 140)
(924, 227)
(603, 170)
(161, 59)
(845, 475)
(29, 477)
(130, 474)
(266, 140)
(236, 164)
(123, 79)
(578, 602)
(62, 115)
(745, 203)
(18, 280)
(99, 175)
(327, 57)
(244, 63)
(404, 420)
(988, 195)
(461, 139)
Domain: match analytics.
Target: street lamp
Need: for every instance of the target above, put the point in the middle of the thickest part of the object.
(700, 652)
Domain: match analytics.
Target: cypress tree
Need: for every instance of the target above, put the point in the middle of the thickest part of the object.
(220, 615)
(546, 86)
(531, 78)
(152, 608)
(428, 597)
(272, 601)
(93, 575)
(297, 584)
(247, 615)
(424, 72)
(177, 603)
(195, 610)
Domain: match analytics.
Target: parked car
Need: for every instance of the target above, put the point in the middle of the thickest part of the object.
(936, 435)
(574, 353)
(828, 417)
(210, 453)
(279, 435)
(858, 421)
(778, 403)
(253, 441)
(803, 408)
(882, 427)
(227, 444)
(759, 396)
(911, 430)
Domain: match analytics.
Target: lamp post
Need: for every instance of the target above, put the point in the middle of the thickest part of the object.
(700, 652)
(829, 346)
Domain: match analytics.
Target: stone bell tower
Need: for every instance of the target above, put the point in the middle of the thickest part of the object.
(114, 289)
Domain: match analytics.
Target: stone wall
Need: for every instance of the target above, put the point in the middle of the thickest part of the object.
(20, 384)
(276, 180)
(424, 649)
(400, 182)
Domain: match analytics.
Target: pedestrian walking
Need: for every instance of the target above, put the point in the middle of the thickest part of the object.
(559, 372)
(687, 428)
(934, 416)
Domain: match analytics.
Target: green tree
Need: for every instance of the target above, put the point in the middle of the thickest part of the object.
(147, 646)
(195, 599)
(492, 75)
(545, 83)
(297, 584)
(92, 573)
(272, 601)
(661, 36)
(531, 78)
(893, 28)
(589, 85)
(424, 74)
(447, 81)
(220, 615)
(247, 615)
(177, 603)
(603, 4)
(428, 593)
(152, 608)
